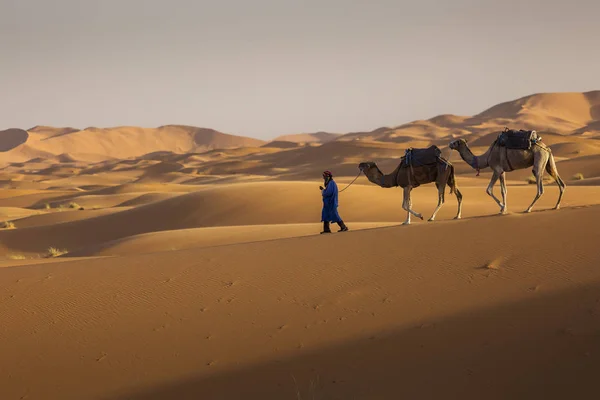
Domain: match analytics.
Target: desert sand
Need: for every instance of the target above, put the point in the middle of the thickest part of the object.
(185, 263)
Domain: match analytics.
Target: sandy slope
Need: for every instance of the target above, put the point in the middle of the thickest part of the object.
(258, 204)
(207, 237)
(317, 137)
(494, 305)
(196, 271)
(119, 142)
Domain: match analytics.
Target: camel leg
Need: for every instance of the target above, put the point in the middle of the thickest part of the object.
(490, 189)
(539, 179)
(551, 169)
(459, 199)
(441, 189)
(407, 206)
(503, 191)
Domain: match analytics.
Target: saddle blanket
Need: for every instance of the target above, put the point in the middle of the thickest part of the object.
(420, 157)
(521, 139)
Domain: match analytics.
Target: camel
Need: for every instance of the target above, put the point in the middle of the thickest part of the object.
(502, 159)
(409, 177)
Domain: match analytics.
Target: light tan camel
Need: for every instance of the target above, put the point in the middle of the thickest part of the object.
(501, 160)
(408, 178)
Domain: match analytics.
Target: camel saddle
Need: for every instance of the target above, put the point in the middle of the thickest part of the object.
(419, 157)
(521, 139)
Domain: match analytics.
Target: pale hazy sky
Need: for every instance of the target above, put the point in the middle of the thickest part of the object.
(267, 67)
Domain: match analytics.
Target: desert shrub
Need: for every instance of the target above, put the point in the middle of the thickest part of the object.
(7, 225)
(532, 181)
(55, 252)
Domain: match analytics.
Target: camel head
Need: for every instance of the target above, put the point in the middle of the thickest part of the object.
(456, 144)
(371, 171)
(366, 166)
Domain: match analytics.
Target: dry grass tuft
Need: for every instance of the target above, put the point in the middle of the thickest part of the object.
(54, 252)
(72, 205)
(578, 176)
(532, 180)
(7, 225)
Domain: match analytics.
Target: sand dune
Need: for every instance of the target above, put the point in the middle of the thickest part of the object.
(11, 138)
(118, 142)
(562, 113)
(181, 239)
(317, 137)
(573, 107)
(9, 213)
(579, 149)
(53, 217)
(183, 263)
(282, 144)
(380, 316)
(29, 198)
(183, 150)
(46, 132)
(263, 203)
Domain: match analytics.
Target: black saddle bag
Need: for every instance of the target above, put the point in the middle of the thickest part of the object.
(521, 139)
(420, 157)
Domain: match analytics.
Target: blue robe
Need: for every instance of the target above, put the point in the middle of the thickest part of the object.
(330, 203)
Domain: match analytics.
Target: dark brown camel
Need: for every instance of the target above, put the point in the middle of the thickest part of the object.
(409, 177)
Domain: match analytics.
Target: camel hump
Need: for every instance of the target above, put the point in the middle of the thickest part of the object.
(518, 139)
(422, 156)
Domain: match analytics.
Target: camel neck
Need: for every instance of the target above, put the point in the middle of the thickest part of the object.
(384, 180)
(476, 162)
(388, 180)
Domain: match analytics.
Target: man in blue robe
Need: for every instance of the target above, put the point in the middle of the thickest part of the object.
(330, 204)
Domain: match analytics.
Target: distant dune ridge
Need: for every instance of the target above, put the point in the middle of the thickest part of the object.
(119, 142)
(574, 115)
(318, 137)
